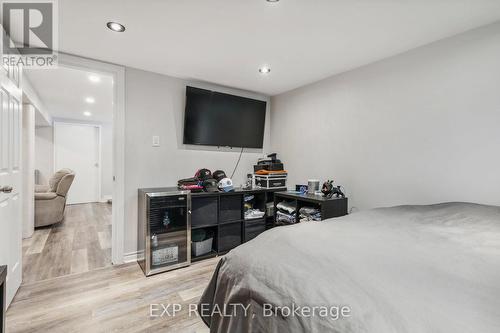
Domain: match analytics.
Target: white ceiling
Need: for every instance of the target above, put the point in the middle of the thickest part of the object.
(64, 90)
(226, 41)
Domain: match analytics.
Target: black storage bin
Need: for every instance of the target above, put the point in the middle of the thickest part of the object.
(230, 208)
(253, 228)
(229, 236)
(203, 211)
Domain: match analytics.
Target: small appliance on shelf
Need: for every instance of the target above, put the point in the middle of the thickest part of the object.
(269, 173)
(270, 163)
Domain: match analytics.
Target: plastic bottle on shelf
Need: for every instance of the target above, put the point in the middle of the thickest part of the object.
(154, 241)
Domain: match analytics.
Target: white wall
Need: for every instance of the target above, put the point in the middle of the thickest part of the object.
(44, 153)
(42, 117)
(155, 106)
(422, 127)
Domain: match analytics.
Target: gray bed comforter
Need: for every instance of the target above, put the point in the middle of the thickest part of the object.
(402, 269)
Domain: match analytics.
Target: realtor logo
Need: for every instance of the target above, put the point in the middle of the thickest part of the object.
(30, 33)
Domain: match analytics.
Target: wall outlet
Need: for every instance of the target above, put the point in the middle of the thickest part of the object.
(156, 141)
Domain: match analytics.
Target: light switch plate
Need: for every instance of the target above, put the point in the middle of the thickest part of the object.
(156, 141)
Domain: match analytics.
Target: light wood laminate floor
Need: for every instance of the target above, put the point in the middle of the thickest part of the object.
(81, 243)
(112, 299)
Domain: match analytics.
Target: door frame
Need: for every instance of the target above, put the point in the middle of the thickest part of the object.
(118, 207)
(99, 150)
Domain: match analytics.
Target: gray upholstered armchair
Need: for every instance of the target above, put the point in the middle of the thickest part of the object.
(50, 200)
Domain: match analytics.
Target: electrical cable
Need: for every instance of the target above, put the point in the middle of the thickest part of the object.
(237, 163)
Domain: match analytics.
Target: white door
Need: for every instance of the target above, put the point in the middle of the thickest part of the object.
(76, 146)
(11, 177)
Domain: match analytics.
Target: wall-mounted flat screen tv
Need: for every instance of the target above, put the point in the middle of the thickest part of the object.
(216, 119)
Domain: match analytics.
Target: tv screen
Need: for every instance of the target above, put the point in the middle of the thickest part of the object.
(216, 119)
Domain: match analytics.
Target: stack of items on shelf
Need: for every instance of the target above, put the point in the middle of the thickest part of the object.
(250, 211)
(309, 214)
(285, 214)
(269, 173)
(205, 181)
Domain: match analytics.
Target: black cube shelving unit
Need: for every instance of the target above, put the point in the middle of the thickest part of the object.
(225, 213)
(221, 213)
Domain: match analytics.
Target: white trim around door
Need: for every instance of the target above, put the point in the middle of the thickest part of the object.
(118, 210)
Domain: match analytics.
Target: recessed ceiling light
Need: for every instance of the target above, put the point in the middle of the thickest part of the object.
(273, 0)
(87, 113)
(264, 70)
(90, 100)
(115, 26)
(94, 78)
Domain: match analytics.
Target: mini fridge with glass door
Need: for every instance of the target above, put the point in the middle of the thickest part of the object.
(164, 233)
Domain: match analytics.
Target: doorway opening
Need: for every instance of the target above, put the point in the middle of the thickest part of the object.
(73, 166)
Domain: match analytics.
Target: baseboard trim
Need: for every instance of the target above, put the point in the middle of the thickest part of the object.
(105, 198)
(130, 257)
(133, 256)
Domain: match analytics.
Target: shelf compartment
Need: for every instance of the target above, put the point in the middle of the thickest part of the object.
(204, 211)
(204, 233)
(253, 228)
(229, 236)
(211, 254)
(230, 208)
(257, 202)
(292, 203)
